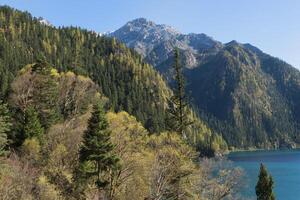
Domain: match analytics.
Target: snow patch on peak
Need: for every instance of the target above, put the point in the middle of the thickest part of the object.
(44, 21)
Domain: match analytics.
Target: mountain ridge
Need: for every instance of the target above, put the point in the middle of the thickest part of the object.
(146, 36)
(137, 33)
(244, 93)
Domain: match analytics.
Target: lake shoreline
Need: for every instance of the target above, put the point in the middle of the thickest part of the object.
(283, 165)
(226, 153)
(292, 146)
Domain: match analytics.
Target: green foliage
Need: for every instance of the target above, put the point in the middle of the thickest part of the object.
(182, 119)
(76, 93)
(97, 148)
(127, 162)
(149, 166)
(31, 150)
(265, 184)
(155, 166)
(128, 82)
(32, 125)
(172, 168)
(60, 155)
(5, 126)
(177, 105)
(45, 93)
(247, 96)
(47, 190)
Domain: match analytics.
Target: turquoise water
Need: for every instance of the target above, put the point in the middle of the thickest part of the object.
(283, 165)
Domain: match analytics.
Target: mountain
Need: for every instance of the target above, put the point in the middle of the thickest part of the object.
(249, 96)
(156, 42)
(130, 84)
(53, 131)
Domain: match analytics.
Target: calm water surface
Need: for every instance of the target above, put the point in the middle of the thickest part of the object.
(283, 165)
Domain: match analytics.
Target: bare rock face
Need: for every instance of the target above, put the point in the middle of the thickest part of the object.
(155, 42)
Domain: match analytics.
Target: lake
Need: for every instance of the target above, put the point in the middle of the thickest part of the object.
(283, 165)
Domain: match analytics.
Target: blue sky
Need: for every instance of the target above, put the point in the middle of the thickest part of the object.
(271, 25)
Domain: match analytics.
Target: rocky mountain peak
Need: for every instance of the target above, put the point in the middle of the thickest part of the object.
(140, 22)
(44, 21)
(232, 43)
(143, 35)
(149, 26)
(156, 42)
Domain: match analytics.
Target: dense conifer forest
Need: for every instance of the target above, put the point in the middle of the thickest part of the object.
(84, 117)
(121, 74)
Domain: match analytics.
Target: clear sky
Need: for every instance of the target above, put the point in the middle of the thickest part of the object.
(271, 25)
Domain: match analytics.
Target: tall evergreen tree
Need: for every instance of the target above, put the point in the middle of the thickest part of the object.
(265, 184)
(32, 125)
(45, 93)
(97, 149)
(5, 126)
(177, 119)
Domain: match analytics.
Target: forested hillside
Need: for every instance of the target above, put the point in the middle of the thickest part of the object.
(54, 130)
(123, 77)
(247, 95)
(84, 117)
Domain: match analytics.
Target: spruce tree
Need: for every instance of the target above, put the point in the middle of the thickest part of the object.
(45, 93)
(265, 184)
(32, 125)
(97, 149)
(177, 119)
(5, 126)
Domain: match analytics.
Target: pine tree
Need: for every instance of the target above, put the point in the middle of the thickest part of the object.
(5, 126)
(45, 93)
(97, 149)
(265, 184)
(177, 119)
(32, 125)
